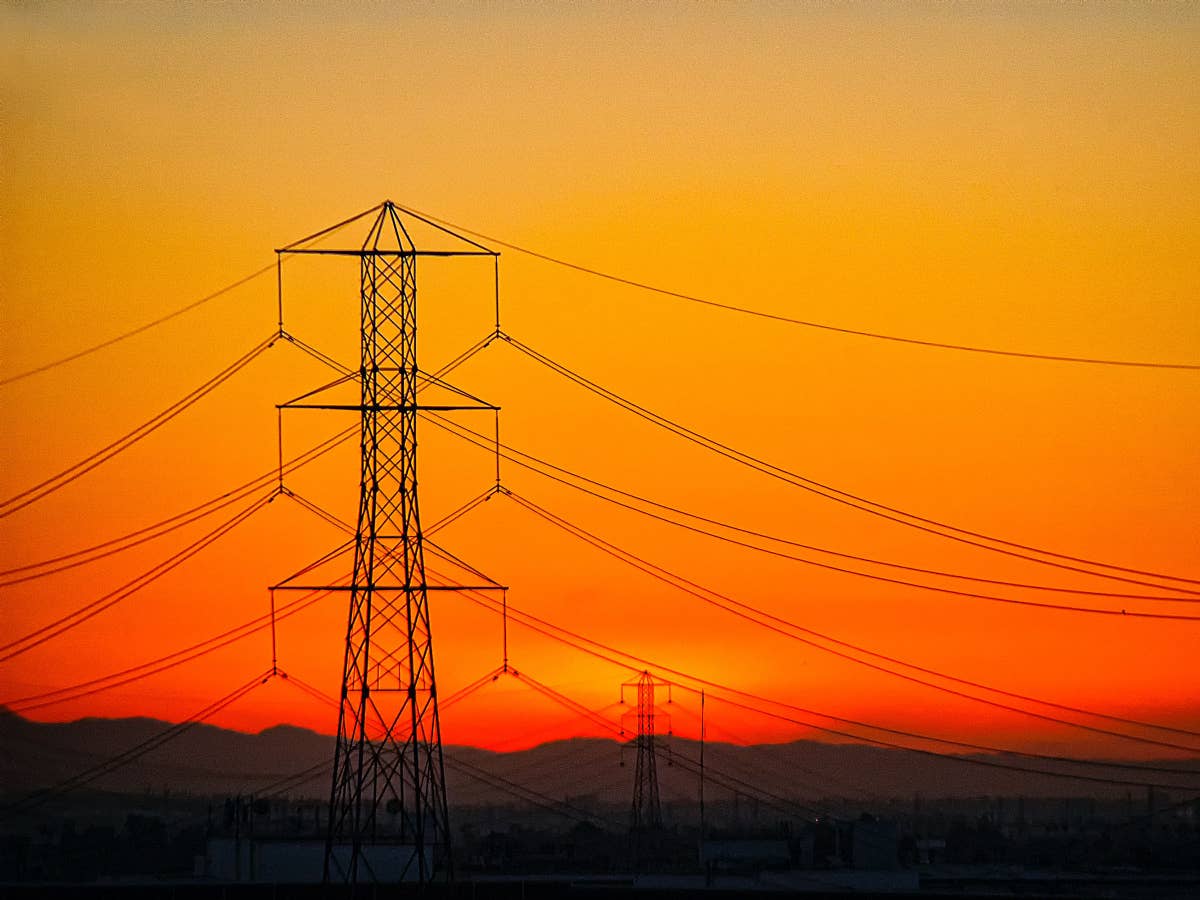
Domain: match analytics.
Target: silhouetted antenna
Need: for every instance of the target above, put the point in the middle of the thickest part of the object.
(703, 735)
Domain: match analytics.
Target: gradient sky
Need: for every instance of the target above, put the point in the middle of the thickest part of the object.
(1014, 176)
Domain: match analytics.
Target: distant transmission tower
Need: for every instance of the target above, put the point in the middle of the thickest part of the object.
(646, 814)
(388, 810)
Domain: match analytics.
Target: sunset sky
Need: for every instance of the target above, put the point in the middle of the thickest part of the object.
(1022, 177)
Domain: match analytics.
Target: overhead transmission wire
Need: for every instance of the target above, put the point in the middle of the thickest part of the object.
(735, 784)
(475, 438)
(37, 798)
(977, 761)
(176, 313)
(77, 617)
(170, 524)
(288, 783)
(715, 773)
(165, 663)
(789, 320)
(863, 504)
(621, 659)
(322, 768)
(910, 748)
(765, 536)
(848, 645)
(136, 673)
(172, 660)
(205, 511)
(833, 788)
(486, 495)
(1159, 576)
(141, 328)
(316, 354)
(719, 777)
(71, 473)
(574, 640)
(467, 690)
(523, 792)
(282, 786)
(492, 779)
(480, 441)
(776, 800)
(489, 603)
(76, 753)
(496, 445)
(765, 620)
(197, 650)
(590, 715)
(809, 630)
(295, 779)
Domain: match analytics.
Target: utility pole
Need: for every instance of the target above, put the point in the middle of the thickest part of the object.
(702, 737)
(388, 817)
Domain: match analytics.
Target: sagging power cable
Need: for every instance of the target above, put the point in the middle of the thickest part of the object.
(864, 504)
(61, 479)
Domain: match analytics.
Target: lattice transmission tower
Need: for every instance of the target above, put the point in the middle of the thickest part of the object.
(388, 817)
(646, 813)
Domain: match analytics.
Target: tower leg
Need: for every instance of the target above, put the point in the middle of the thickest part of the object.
(388, 811)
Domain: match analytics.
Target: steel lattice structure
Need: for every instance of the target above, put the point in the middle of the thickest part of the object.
(646, 813)
(388, 817)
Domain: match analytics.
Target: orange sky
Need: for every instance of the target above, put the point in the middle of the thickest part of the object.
(1018, 177)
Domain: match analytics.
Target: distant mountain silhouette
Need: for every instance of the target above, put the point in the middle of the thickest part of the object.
(210, 760)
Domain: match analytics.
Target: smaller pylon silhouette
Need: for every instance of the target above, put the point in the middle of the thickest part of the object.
(646, 814)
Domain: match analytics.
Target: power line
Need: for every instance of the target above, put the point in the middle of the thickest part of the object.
(881, 656)
(326, 232)
(480, 441)
(169, 524)
(174, 314)
(203, 510)
(785, 805)
(499, 782)
(1037, 604)
(974, 760)
(37, 798)
(77, 617)
(163, 663)
(522, 792)
(573, 639)
(61, 479)
(940, 345)
(756, 616)
(831, 786)
(136, 331)
(464, 692)
(225, 502)
(716, 774)
(721, 778)
(605, 653)
(845, 497)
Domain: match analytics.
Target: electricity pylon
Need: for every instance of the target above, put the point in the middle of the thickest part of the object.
(388, 812)
(646, 813)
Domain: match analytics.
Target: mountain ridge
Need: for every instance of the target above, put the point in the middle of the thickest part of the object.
(208, 759)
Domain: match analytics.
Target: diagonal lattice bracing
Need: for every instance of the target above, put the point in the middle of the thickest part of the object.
(388, 812)
(394, 788)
